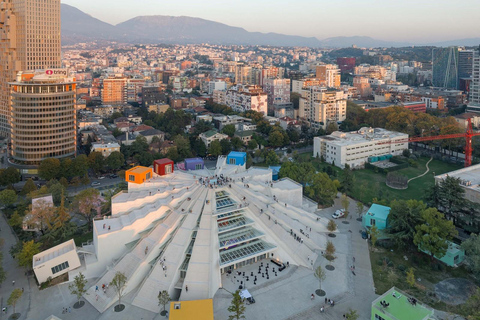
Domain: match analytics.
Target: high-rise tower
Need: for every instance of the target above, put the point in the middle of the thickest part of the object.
(29, 40)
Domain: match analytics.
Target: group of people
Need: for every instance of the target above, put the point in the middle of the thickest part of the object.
(67, 310)
(294, 235)
(105, 226)
(104, 288)
(384, 303)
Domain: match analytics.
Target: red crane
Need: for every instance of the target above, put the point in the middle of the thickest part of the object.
(468, 135)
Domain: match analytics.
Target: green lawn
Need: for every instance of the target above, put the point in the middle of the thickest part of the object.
(369, 185)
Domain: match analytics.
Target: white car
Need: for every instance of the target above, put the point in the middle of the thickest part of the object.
(94, 184)
(101, 177)
(338, 214)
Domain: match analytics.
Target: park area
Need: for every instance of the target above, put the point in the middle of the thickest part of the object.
(370, 184)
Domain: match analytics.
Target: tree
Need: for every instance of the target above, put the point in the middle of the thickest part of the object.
(331, 226)
(215, 148)
(237, 307)
(9, 176)
(49, 169)
(62, 217)
(433, 235)
(163, 298)
(78, 287)
(14, 297)
(472, 253)
(359, 209)
(252, 144)
(229, 130)
(348, 179)
(115, 160)
(87, 202)
(271, 158)
(79, 166)
(118, 283)
(404, 216)
(321, 275)
(345, 204)
(25, 256)
(8, 197)
(451, 196)
(352, 315)
(331, 127)
(374, 235)
(410, 277)
(226, 146)
(322, 189)
(28, 187)
(183, 147)
(275, 138)
(472, 306)
(41, 214)
(57, 190)
(237, 143)
(330, 250)
(16, 220)
(96, 161)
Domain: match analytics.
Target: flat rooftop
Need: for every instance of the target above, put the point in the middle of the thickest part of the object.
(364, 135)
(191, 310)
(54, 252)
(469, 177)
(400, 308)
(139, 170)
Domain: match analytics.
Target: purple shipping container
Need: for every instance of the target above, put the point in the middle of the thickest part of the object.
(194, 164)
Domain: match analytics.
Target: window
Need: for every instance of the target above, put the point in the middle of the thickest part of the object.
(148, 176)
(372, 222)
(198, 166)
(231, 161)
(168, 168)
(60, 267)
(131, 177)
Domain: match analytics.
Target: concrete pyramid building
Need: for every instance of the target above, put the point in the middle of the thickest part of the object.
(187, 228)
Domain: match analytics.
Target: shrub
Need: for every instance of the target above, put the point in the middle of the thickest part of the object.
(401, 267)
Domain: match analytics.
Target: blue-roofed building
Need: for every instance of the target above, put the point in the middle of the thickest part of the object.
(237, 158)
(275, 172)
(377, 216)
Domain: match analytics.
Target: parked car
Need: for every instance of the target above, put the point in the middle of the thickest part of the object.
(95, 183)
(338, 214)
(364, 234)
(113, 176)
(101, 177)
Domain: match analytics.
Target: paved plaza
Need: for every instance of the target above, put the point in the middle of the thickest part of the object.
(284, 296)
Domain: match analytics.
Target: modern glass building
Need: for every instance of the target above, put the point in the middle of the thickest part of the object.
(445, 67)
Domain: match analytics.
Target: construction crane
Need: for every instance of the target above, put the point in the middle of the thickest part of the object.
(468, 135)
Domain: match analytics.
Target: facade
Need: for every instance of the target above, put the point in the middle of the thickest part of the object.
(445, 67)
(397, 305)
(355, 148)
(474, 98)
(30, 40)
(454, 255)
(281, 110)
(330, 74)
(138, 175)
(346, 64)
(216, 85)
(105, 149)
(417, 106)
(298, 85)
(219, 96)
(377, 216)
(43, 116)
(154, 94)
(465, 63)
(469, 181)
(56, 261)
(278, 92)
(163, 166)
(319, 106)
(113, 90)
(158, 108)
(243, 98)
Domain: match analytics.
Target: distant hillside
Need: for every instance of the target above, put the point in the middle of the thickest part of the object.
(367, 42)
(79, 26)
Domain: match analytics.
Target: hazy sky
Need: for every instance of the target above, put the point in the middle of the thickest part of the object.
(400, 20)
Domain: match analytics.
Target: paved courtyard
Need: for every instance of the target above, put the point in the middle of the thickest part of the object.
(285, 296)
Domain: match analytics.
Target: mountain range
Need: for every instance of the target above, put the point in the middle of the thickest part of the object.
(77, 26)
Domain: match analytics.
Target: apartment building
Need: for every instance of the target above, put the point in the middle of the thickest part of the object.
(216, 85)
(330, 73)
(357, 147)
(278, 92)
(474, 105)
(243, 98)
(319, 106)
(113, 90)
(298, 85)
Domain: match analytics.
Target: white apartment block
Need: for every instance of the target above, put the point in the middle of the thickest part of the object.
(219, 96)
(355, 148)
(216, 85)
(319, 106)
(298, 85)
(474, 105)
(278, 91)
(243, 98)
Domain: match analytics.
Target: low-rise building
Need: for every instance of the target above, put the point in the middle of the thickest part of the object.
(355, 148)
(105, 148)
(210, 136)
(158, 108)
(397, 305)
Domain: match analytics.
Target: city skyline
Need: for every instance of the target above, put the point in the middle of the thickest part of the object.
(406, 21)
